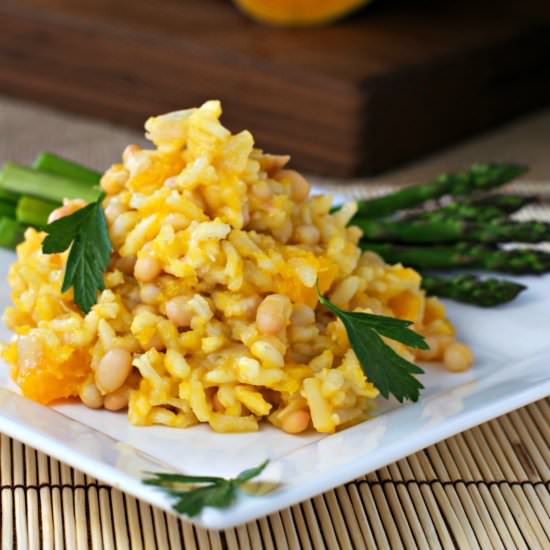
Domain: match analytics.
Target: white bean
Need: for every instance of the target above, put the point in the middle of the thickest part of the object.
(296, 422)
(273, 313)
(302, 315)
(149, 293)
(91, 396)
(118, 399)
(179, 311)
(113, 369)
(299, 186)
(147, 268)
(434, 351)
(458, 357)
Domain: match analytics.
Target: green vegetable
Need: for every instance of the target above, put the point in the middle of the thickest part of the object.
(470, 289)
(519, 261)
(7, 196)
(453, 230)
(7, 209)
(86, 230)
(480, 177)
(217, 492)
(11, 232)
(54, 164)
(484, 209)
(33, 211)
(28, 181)
(386, 369)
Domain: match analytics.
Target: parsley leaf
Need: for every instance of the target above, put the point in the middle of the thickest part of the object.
(86, 232)
(386, 369)
(217, 492)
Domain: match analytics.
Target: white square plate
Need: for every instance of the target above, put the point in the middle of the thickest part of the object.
(512, 347)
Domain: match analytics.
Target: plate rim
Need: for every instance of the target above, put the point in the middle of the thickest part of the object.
(260, 507)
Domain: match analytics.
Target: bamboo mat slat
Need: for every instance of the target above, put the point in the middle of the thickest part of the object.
(488, 487)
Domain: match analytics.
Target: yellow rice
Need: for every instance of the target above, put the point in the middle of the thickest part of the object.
(228, 227)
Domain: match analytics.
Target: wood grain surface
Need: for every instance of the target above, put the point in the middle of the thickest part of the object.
(392, 83)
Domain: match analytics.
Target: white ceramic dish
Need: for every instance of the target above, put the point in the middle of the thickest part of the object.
(512, 347)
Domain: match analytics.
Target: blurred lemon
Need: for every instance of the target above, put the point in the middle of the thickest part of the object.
(289, 13)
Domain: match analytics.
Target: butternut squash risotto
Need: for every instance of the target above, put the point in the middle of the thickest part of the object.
(210, 312)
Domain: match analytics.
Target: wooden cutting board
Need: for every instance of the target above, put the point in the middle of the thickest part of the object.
(394, 82)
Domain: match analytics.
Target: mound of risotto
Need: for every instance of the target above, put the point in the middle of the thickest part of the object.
(210, 312)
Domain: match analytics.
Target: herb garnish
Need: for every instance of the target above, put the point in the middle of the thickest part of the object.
(386, 369)
(86, 230)
(217, 492)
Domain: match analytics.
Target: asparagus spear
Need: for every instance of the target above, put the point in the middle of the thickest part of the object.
(7, 196)
(52, 187)
(519, 261)
(33, 211)
(54, 164)
(10, 232)
(444, 231)
(470, 289)
(482, 209)
(7, 209)
(480, 177)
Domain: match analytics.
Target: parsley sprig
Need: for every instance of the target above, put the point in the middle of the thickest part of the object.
(86, 232)
(217, 492)
(387, 370)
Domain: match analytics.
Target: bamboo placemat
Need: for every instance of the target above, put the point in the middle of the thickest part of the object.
(488, 487)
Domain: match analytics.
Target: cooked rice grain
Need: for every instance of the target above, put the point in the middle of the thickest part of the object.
(216, 227)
